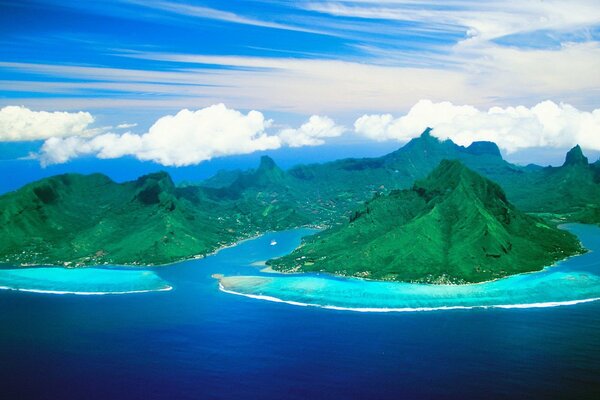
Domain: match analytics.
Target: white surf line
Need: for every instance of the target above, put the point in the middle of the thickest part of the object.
(409, 309)
(60, 292)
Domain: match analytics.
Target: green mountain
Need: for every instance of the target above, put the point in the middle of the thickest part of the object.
(575, 157)
(151, 221)
(276, 192)
(571, 190)
(454, 226)
(267, 175)
(78, 219)
(325, 192)
(348, 183)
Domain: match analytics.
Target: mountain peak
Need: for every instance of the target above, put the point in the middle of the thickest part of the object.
(267, 163)
(450, 174)
(448, 171)
(575, 157)
(454, 226)
(424, 142)
(426, 133)
(484, 147)
(154, 188)
(161, 178)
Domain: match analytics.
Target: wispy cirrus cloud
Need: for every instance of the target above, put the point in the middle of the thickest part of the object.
(482, 20)
(383, 57)
(201, 12)
(479, 75)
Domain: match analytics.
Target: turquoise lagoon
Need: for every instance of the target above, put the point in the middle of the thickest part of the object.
(83, 281)
(572, 281)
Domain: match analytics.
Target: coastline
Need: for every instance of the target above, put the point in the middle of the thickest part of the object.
(585, 250)
(564, 273)
(135, 264)
(332, 275)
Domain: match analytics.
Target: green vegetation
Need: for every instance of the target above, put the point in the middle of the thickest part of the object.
(572, 189)
(75, 220)
(454, 226)
(85, 220)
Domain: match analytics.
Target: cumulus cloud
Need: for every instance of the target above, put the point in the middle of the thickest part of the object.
(19, 123)
(546, 124)
(190, 137)
(186, 138)
(312, 132)
(109, 145)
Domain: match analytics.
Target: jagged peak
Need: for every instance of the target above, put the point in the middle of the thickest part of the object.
(484, 147)
(426, 139)
(267, 163)
(267, 173)
(575, 157)
(426, 133)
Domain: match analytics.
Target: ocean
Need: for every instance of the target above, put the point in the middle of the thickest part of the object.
(198, 342)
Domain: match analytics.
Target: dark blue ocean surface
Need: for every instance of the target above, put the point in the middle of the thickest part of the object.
(196, 342)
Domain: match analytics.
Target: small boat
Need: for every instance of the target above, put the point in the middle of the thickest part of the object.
(273, 242)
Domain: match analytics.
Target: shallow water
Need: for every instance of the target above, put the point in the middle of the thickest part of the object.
(572, 281)
(196, 342)
(82, 281)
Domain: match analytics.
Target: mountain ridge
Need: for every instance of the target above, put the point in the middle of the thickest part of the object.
(236, 204)
(454, 226)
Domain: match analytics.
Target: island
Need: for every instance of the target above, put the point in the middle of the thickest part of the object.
(84, 220)
(452, 227)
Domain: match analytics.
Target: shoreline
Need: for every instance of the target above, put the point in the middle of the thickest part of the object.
(199, 256)
(544, 268)
(269, 270)
(338, 276)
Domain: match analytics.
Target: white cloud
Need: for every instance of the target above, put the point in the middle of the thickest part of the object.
(482, 75)
(407, 50)
(19, 123)
(312, 132)
(186, 138)
(546, 124)
(481, 20)
(190, 137)
(126, 126)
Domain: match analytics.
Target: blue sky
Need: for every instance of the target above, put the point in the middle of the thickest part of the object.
(131, 62)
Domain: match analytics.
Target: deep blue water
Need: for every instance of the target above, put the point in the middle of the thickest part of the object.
(197, 342)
